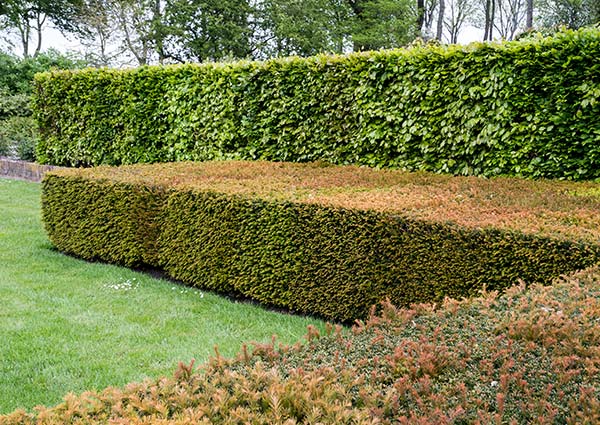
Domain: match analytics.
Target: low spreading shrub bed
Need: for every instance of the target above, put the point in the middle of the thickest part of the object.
(325, 240)
(528, 356)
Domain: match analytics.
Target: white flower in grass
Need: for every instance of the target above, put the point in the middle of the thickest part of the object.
(187, 290)
(123, 285)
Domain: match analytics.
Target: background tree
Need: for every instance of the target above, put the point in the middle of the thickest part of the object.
(383, 23)
(511, 16)
(420, 14)
(99, 33)
(570, 13)
(458, 11)
(26, 19)
(135, 21)
(489, 14)
(148, 31)
(529, 20)
(440, 21)
(430, 8)
(151, 31)
(301, 27)
(131, 30)
(201, 30)
(123, 31)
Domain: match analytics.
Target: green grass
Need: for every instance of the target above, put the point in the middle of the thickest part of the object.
(69, 326)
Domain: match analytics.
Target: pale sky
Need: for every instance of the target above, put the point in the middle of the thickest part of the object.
(54, 39)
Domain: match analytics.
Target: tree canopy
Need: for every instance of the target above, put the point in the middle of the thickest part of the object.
(26, 19)
(139, 32)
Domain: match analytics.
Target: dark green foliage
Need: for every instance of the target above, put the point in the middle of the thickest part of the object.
(18, 136)
(14, 105)
(16, 74)
(383, 23)
(526, 108)
(302, 27)
(569, 13)
(5, 148)
(100, 220)
(203, 30)
(330, 261)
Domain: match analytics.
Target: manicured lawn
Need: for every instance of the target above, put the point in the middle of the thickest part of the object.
(69, 326)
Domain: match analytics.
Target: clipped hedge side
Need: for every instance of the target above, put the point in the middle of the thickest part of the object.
(337, 263)
(330, 261)
(117, 223)
(526, 108)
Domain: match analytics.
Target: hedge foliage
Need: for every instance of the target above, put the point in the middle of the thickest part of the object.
(330, 241)
(526, 108)
(527, 357)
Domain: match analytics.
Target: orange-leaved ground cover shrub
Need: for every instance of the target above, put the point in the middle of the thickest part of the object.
(527, 356)
(325, 240)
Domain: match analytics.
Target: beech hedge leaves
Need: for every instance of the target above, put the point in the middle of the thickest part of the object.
(528, 108)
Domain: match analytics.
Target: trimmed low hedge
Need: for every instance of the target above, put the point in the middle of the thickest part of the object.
(526, 108)
(296, 237)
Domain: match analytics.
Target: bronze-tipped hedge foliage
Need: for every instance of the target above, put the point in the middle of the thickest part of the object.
(526, 108)
(527, 357)
(330, 241)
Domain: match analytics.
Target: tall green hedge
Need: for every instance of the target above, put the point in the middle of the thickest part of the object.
(322, 259)
(526, 108)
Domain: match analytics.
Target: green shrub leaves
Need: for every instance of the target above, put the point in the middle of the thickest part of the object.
(526, 108)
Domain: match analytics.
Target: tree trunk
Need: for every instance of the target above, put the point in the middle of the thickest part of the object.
(486, 28)
(420, 14)
(139, 56)
(440, 22)
(24, 33)
(157, 24)
(490, 15)
(357, 10)
(25, 47)
(492, 18)
(529, 23)
(40, 19)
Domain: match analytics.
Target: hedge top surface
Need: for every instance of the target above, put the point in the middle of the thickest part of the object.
(551, 208)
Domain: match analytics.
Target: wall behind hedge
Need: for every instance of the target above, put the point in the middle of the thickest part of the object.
(527, 108)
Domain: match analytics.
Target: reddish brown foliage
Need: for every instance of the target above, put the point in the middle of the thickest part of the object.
(548, 208)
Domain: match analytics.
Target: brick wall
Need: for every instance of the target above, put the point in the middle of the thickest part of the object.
(23, 170)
